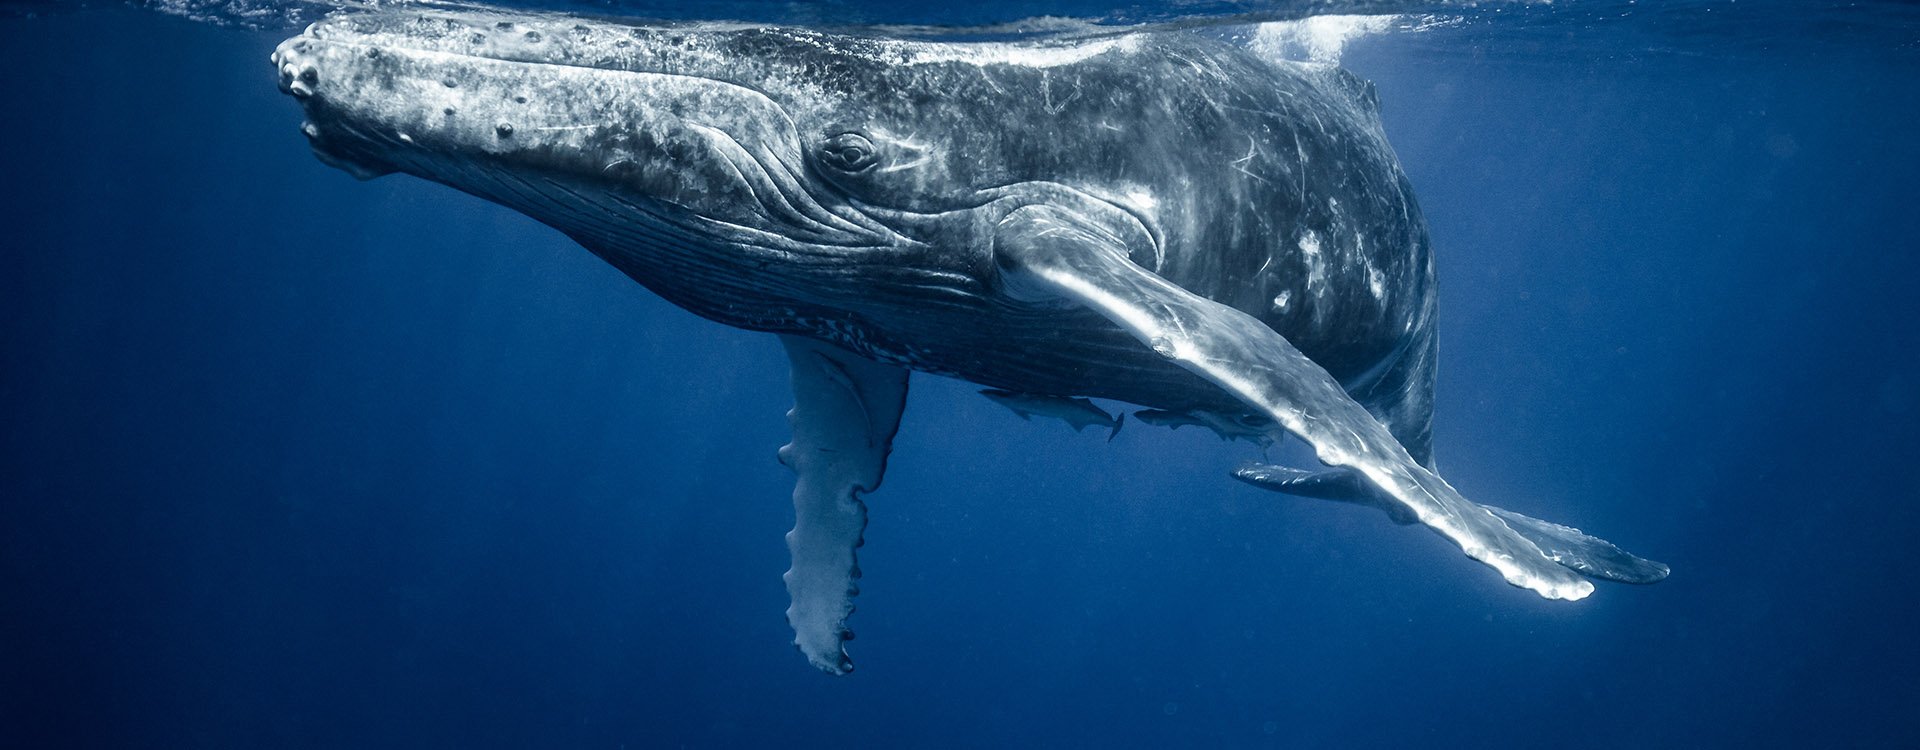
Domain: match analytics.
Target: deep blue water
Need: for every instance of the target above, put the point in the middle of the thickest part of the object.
(289, 460)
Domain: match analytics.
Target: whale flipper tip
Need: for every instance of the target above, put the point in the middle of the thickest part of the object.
(1585, 554)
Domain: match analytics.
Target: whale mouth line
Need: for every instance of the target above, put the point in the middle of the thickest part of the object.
(360, 170)
(327, 150)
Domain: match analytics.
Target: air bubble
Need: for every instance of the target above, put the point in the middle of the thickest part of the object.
(520, 100)
(533, 36)
(505, 129)
(448, 111)
(449, 82)
(309, 75)
(1163, 346)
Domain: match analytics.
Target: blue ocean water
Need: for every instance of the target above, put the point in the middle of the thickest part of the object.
(290, 460)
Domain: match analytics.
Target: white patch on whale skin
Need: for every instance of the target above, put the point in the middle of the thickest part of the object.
(1139, 198)
(1316, 262)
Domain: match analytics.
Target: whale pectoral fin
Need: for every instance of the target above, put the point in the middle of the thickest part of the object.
(846, 409)
(1571, 548)
(1590, 556)
(1329, 484)
(1045, 252)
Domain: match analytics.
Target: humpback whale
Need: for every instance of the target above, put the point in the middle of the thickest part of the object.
(1156, 218)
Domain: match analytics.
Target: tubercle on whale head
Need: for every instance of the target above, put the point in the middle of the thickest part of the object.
(298, 78)
(543, 118)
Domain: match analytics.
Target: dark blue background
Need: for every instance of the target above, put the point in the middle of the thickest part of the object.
(293, 461)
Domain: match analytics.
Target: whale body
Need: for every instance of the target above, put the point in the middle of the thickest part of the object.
(1159, 218)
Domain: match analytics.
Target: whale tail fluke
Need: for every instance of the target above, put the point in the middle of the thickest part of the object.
(1571, 548)
(1118, 419)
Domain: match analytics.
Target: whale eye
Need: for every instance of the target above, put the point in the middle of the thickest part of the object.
(848, 152)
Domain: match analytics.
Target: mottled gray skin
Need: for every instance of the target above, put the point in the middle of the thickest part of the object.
(1161, 219)
(1230, 163)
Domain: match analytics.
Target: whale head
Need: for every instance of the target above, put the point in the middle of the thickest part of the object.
(616, 135)
(737, 167)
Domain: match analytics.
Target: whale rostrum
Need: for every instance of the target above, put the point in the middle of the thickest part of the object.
(1161, 219)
